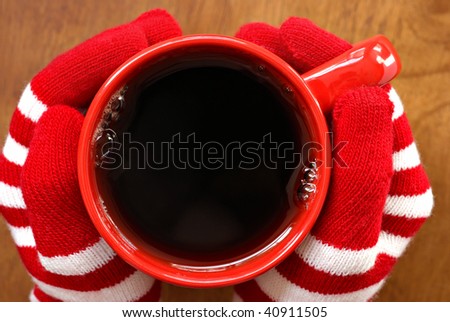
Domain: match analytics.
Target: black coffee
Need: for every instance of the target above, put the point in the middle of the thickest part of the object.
(202, 176)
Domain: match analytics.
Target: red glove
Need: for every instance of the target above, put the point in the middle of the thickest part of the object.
(39, 194)
(375, 204)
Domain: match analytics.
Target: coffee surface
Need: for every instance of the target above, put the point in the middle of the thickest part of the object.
(201, 176)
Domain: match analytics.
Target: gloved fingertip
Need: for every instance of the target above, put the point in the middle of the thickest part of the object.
(263, 35)
(362, 169)
(309, 45)
(63, 119)
(252, 31)
(157, 25)
(364, 103)
(53, 149)
(362, 119)
(50, 184)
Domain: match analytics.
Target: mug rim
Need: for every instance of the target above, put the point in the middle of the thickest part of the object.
(207, 276)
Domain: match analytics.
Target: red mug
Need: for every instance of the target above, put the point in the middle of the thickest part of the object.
(371, 62)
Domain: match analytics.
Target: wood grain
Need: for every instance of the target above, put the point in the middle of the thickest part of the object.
(33, 32)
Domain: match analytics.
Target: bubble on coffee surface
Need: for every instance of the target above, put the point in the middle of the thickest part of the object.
(261, 68)
(308, 189)
(104, 132)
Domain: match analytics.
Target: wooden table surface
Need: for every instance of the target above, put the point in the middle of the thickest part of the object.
(33, 32)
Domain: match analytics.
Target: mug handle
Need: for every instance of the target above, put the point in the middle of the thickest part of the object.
(370, 62)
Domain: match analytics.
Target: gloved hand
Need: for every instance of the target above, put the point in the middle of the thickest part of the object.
(39, 195)
(376, 201)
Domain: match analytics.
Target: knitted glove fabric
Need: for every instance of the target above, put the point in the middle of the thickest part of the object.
(377, 199)
(39, 194)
